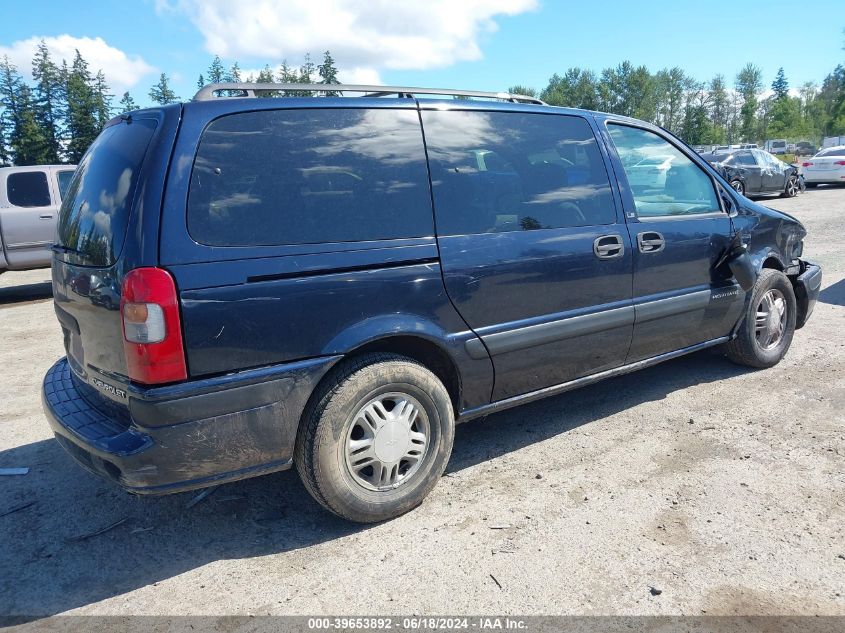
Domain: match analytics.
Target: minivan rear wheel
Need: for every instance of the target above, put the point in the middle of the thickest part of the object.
(765, 334)
(375, 438)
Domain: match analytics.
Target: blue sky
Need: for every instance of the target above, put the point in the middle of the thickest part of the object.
(477, 44)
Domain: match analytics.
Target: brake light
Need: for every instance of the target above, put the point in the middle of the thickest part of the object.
(806, 164)
(839, 162)
(152, 331)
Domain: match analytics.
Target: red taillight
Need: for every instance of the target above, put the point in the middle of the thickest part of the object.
(152, 331)
(806, 164)
(839, 162)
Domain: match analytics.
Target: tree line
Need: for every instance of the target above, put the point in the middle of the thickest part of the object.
(704, 113)
(58, 115)
(54, 118)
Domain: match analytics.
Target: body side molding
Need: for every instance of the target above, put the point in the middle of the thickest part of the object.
(531, 396)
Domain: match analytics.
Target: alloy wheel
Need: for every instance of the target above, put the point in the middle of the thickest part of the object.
(770, 319)
(387, 441)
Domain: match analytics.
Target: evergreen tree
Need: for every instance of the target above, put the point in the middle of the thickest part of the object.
(287, 75)
(748, 85)
(780, 85)
(127, 103)
(4, 152)
(200, 81)
(102, 101)
(306, 76)
(328, 73)
(265, 75)
(10, 82)
(48, 97)
(26, 141)
(161, 93)
(216, 72)
(234, 74)
(81, 108)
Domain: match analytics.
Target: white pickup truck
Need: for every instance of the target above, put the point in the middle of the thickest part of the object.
(30, 198)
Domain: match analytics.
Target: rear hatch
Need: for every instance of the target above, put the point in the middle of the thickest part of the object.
(97, 223)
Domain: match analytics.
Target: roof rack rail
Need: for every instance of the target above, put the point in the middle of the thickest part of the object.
(209, 92)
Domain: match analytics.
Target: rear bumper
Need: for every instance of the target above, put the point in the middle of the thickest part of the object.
(807, 288)
(189, 435)
(826, 176)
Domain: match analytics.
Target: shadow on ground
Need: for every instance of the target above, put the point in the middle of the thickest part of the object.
(834, 294)
(26, 292)
(46, 571)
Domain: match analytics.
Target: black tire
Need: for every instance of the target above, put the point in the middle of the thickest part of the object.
(746, 348)
(812, 185)
(330, 420)
(738, 186)
(791, 188)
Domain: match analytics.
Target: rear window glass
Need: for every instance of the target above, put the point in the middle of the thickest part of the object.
(64, 178)
(95, 211)
(833, 151)
(279, 177)
(495, 172)
(28, 189)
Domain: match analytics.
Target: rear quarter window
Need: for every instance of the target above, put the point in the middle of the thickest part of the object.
(28, 189)
(281, 177)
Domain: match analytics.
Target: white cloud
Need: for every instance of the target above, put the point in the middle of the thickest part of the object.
(122, 71)
(364, 37)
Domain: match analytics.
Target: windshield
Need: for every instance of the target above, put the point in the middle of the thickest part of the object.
(95, 212)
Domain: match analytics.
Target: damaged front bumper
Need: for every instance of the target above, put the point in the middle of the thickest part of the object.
(807, 287)
(188, 435)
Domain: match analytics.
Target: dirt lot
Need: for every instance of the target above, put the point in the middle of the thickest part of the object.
(723, 487)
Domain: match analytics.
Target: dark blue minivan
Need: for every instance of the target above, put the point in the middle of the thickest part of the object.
(249, 282)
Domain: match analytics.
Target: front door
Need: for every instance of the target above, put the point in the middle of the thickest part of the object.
(679, 231)
(534, 254)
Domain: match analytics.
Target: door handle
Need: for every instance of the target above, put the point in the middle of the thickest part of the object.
(608, 246)
(650, 242)
(46, 216)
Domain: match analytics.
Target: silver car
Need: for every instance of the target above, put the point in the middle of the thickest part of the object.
(30, 198)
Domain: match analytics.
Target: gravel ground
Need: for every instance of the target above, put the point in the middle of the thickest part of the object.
(721, 486)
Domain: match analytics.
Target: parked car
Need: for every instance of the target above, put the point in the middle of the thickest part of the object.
(650, 172)
(826, 167)
(29, 206)
(775, 146)
(805, 148)
(754, 172)
(268, 317)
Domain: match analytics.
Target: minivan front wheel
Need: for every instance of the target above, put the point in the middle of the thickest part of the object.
(376, 438)
(765, 334)
(738, 186)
